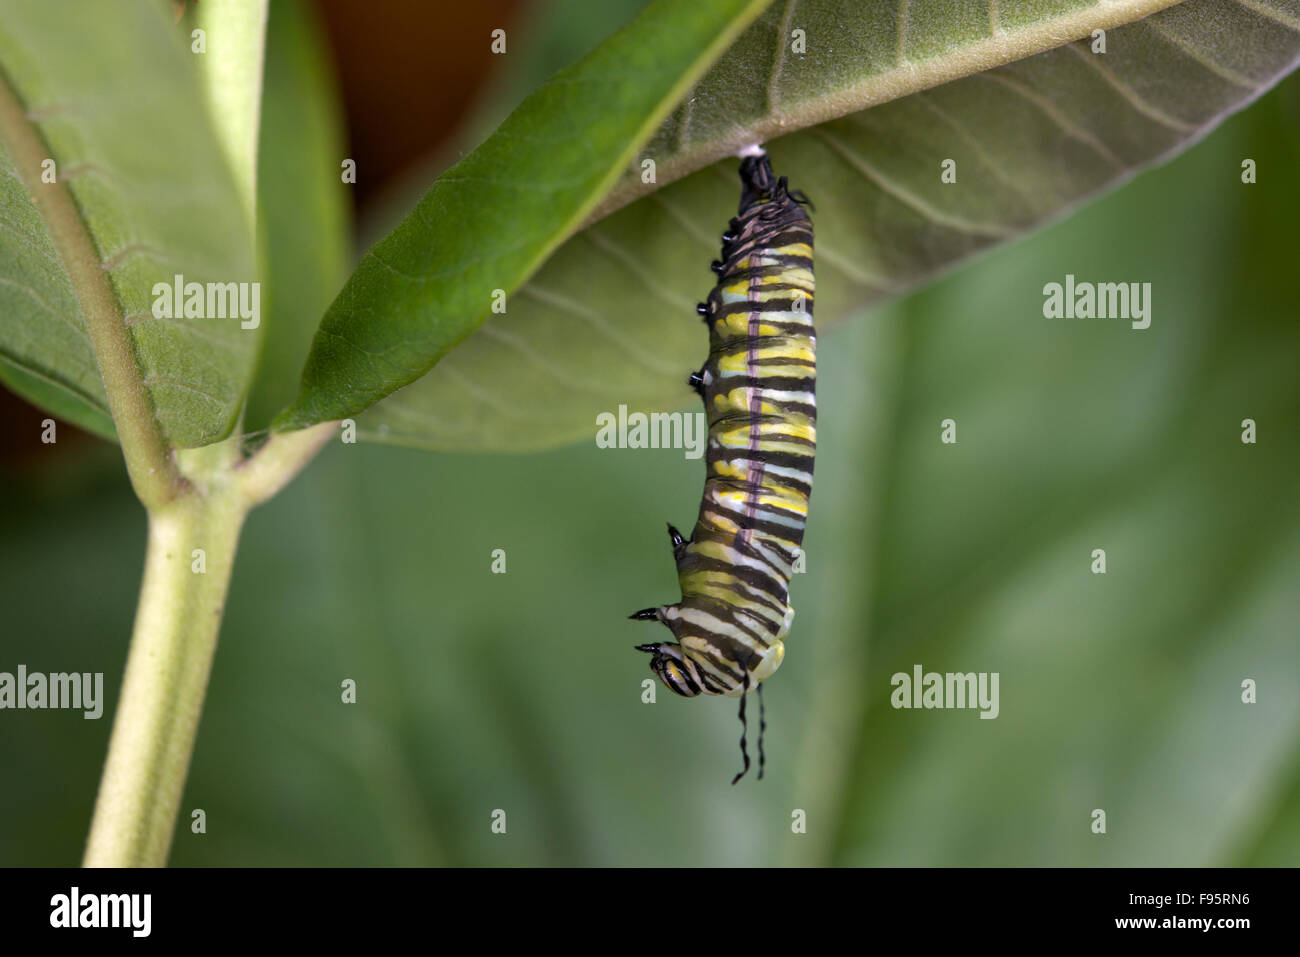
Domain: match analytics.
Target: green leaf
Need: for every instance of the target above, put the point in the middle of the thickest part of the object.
(610, 320)
(559, 33)
(490, 221)
(87, 411)
(1120, 691)
(231, 75)
(304, 215)
(153, 198)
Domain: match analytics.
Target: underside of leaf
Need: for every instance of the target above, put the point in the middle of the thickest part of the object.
(610, 318)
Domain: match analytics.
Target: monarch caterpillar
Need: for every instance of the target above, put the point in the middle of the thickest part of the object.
(758, 387)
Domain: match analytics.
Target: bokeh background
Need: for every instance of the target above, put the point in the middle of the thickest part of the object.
(521, 691)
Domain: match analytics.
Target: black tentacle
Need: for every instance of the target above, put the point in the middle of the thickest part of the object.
(744, 728)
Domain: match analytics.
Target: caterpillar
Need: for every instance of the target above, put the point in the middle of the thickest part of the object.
(758, 386)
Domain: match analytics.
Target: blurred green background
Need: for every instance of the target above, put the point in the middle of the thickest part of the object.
(521, 691)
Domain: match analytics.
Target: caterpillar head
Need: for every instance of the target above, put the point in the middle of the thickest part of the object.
(674, 669)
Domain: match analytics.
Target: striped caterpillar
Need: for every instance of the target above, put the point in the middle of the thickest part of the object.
(758, 387)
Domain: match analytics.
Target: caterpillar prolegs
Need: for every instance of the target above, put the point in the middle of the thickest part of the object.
(758, 387)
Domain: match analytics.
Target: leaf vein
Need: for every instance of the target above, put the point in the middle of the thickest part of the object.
(906, 196)
(1130, 95)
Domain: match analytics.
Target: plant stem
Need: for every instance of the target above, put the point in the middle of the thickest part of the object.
(282, 457)
(174, 639)
(167, 670)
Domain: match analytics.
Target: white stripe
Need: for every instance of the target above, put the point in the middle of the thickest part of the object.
(717, 626)
(783, 471)
(769, 515)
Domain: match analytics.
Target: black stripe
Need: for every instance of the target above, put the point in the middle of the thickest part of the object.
(766, 238)
(721, 664)
(771, 481)
(736, 420)
(734, 272)
(760, 581)
(773, 383)
(732, 653)
(710, 684)
(767, 234)
(745, 306)
(728, 612)
(788, 409)
(750, 596)
(765, 577)
(690, 682)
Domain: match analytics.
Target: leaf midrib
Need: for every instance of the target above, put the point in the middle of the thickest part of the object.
(904, 79)
(128, 399)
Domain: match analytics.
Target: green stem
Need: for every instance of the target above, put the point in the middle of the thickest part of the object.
(175, 637)
(166, 678)
(280, 459)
